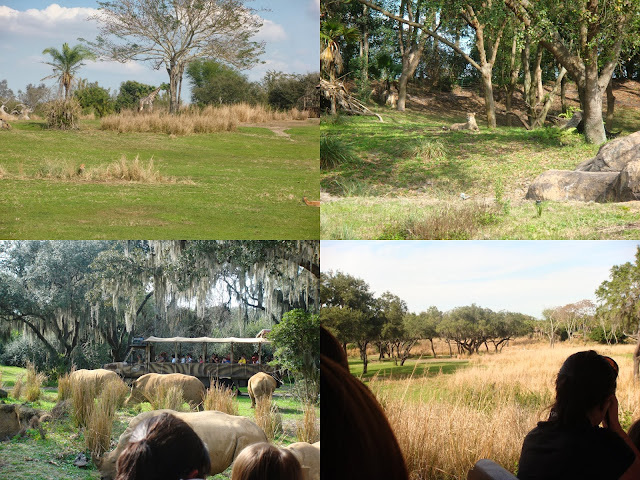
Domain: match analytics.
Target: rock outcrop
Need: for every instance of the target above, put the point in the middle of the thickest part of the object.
(613, 175)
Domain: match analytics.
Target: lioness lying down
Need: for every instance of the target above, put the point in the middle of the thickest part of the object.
(469, 125)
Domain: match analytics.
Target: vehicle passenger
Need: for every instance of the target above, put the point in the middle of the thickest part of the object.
(571, 444)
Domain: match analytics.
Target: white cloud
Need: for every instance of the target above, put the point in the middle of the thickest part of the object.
(271, 32)
(52, 22)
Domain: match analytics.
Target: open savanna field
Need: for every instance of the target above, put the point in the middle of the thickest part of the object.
(244, 182)
(405, 178)
(447, 413)
(31, 457)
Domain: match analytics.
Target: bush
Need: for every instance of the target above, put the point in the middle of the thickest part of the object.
(95, 99)
(22, 350)
(598, 335)
(63, 114)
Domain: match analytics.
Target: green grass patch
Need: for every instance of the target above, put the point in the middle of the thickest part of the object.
(411, 176)
(411, 368)
(242, 184)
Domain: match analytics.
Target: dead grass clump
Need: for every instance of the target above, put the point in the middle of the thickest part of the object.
(211, 119)
(18, 386)
(3, 172)
(63, 114)
(82, 397)
(447, 223)
(307, 428)
(101, 415)
(169, 397)
(64, 387)
(221, 398)
(268, 417)
(33, 382)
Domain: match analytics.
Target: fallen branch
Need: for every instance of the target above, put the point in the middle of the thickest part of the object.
(346, 101)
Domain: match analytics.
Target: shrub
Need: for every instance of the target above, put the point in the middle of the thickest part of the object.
(221, 398)
(63, 114)
(96, 99)
(598, 335)
(23, 350)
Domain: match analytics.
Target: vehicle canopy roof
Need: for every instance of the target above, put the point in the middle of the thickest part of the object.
(205, 340)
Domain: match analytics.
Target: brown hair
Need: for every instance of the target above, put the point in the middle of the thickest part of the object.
(163, 447)
(263, 461)
(358, 441)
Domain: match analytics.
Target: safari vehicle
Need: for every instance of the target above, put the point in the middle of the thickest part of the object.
(142, 355)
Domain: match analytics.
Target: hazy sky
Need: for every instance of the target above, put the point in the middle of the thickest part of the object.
(290, 30)
(521, 276)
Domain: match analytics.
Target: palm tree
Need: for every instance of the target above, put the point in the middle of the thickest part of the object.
(330, 33)
(66, 63)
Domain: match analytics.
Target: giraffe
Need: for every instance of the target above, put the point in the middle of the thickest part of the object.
(148, 100)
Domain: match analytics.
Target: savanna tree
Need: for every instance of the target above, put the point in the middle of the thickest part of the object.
(619, 301)
(171, 34)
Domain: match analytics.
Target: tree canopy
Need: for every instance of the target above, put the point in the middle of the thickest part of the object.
(171, 34)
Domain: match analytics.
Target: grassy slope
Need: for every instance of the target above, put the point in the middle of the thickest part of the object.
(391, 178)
(248, 184)
(30, 457)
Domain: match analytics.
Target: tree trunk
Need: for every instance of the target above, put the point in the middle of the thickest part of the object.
(410, 61)
(593, 126)
(363, 356)
(432, 349)
(563, 94)
(513, 79)
(526, 52)
(636, 360)
(173, 71)
(489, 103)
(611, 102)
(538, 75)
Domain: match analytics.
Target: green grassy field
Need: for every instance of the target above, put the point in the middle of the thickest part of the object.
(32, 457)
(386, 369)
(403, 179)
(247, 184)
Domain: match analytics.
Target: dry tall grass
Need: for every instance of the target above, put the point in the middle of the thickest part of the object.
(193, 120)
(100, 418)
(221, 398)
(307, 428)
(120, 171)
(18, 386)
(82, 398)
(33, 382)
(444, 424)
(169, 397)
(268, 417)
(64, 387)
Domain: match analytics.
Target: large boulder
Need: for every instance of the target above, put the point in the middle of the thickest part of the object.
(628, 182)
(9, 421)
(562, 185)
(614, 155)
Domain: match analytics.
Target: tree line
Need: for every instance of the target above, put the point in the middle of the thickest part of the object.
(498, 44)
(356, 316)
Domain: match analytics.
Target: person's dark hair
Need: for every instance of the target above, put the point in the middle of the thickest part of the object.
(263, 461)
(163, 447)
(358, 441)
(585, 381)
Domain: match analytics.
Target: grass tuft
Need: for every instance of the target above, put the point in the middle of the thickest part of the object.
(33, 382)
(268, 417)
(221, 398)
(169, 397)
(335, 152)
(18, 387)
(307, 428)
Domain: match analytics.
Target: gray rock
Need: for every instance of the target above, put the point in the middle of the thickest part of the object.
(563, 185)
(614, 155)
(628, 184)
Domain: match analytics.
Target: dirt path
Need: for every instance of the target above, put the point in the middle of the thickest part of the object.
(279, 126)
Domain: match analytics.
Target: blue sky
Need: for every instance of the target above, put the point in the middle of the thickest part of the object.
(290, 31)
(522, 276)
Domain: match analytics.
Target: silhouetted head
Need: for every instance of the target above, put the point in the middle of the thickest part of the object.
(584, 382)
(163, 448)
(263, 461)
